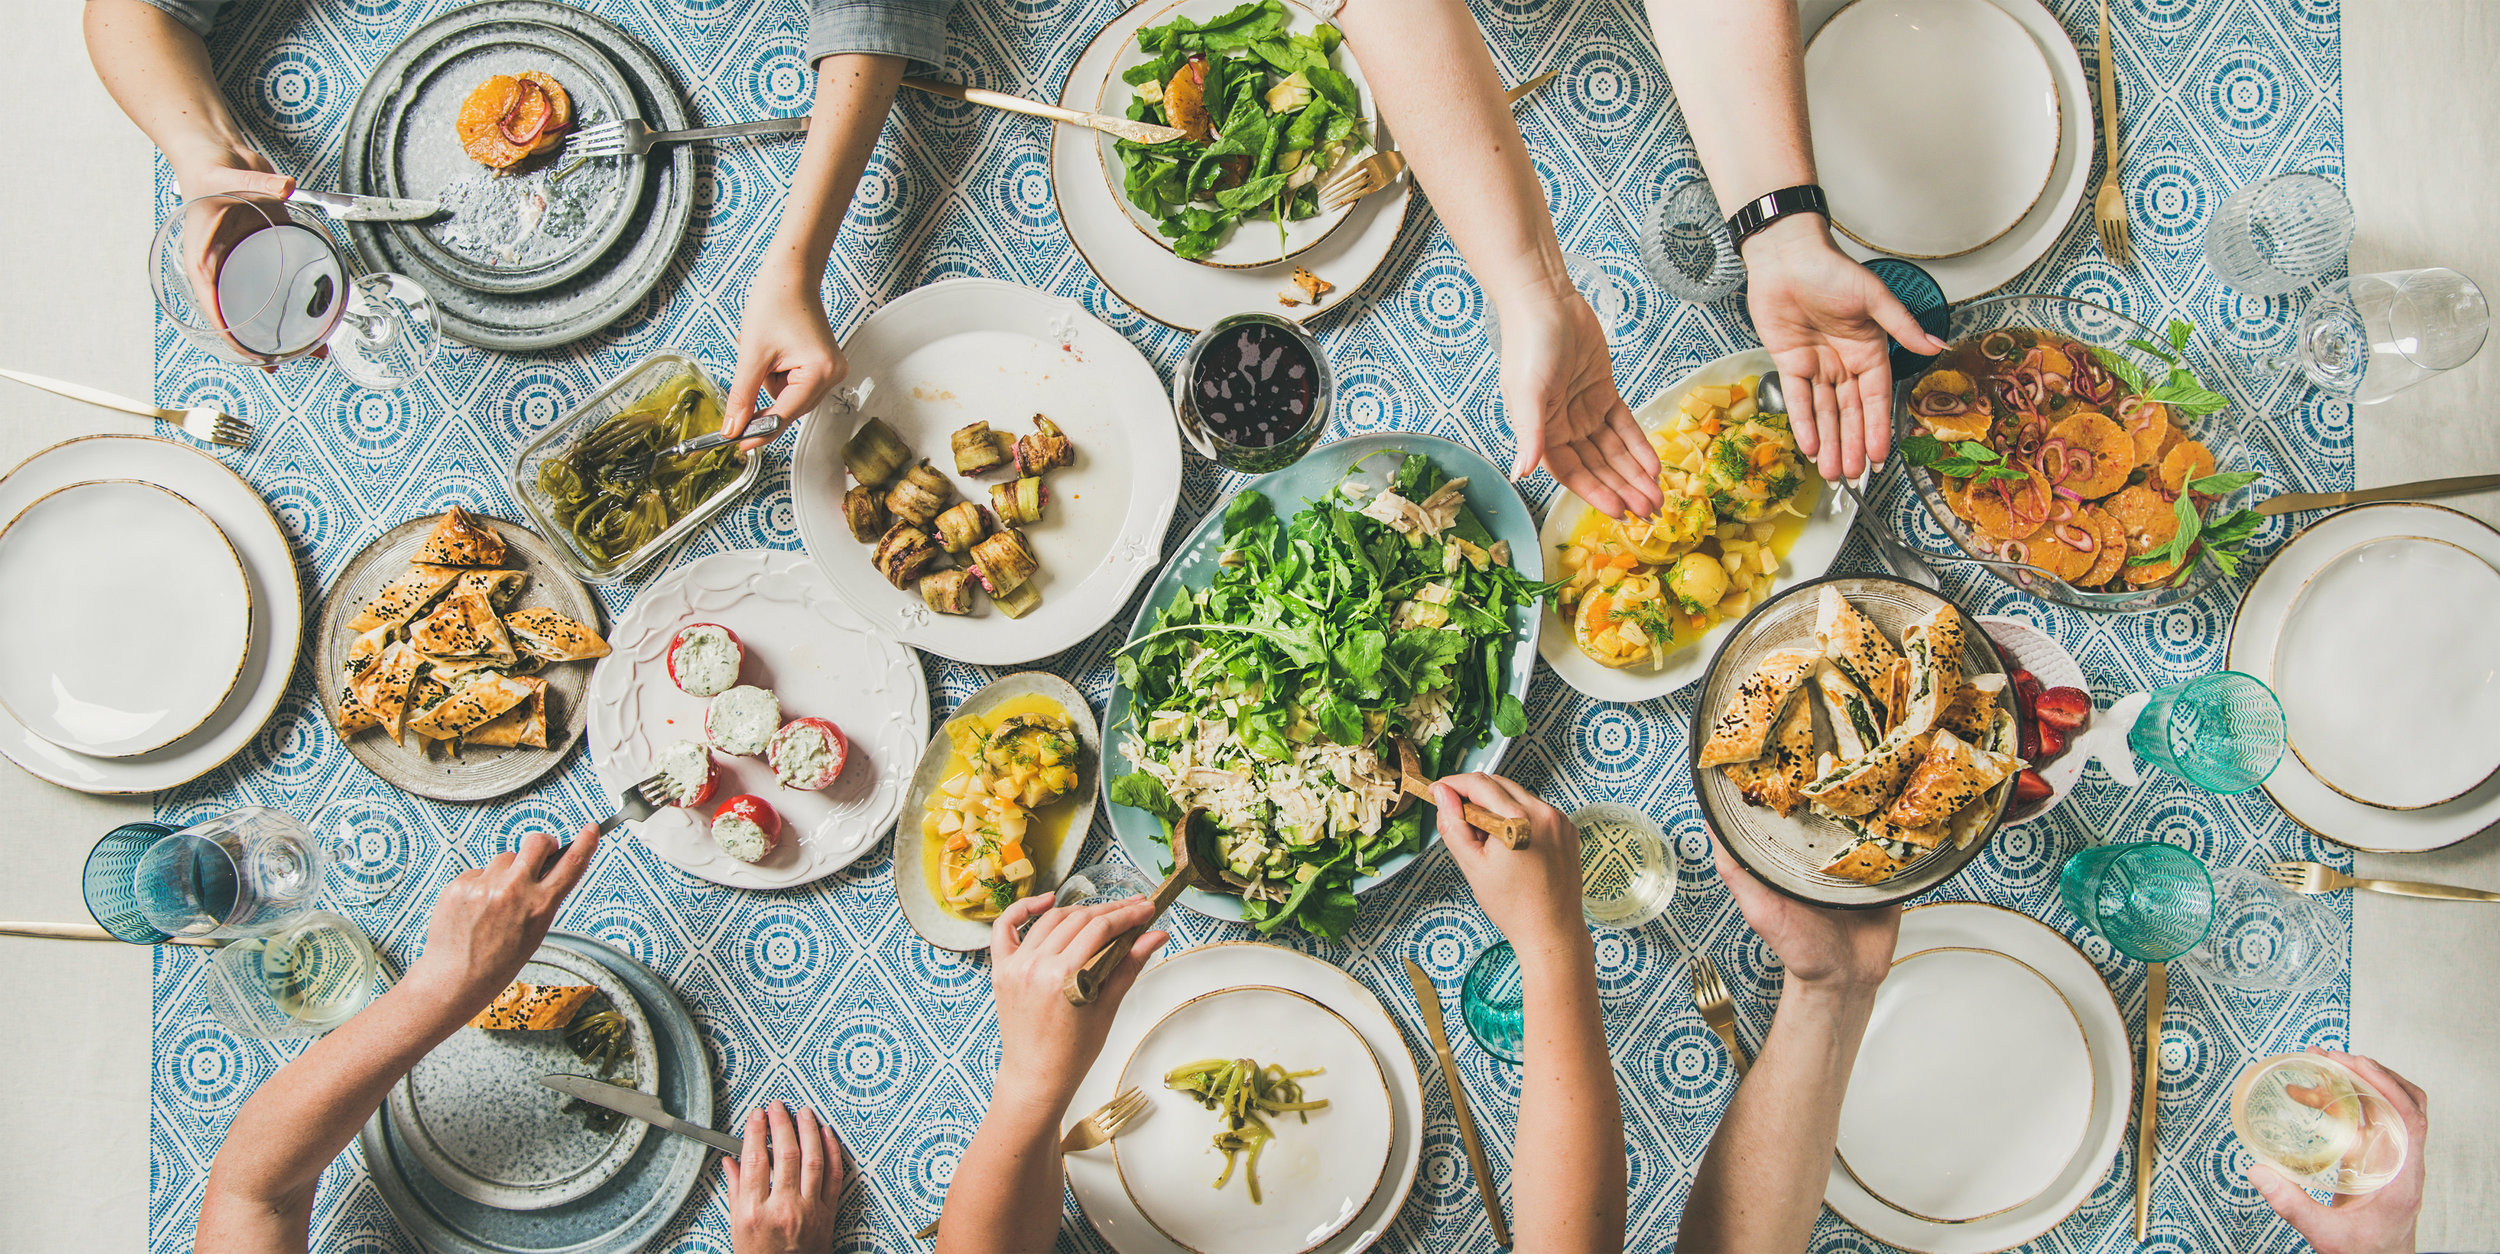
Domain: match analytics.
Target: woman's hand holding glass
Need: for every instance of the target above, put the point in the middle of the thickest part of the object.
(2382, 1222)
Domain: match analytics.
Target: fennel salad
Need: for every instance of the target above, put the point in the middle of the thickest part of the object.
(1271, 697)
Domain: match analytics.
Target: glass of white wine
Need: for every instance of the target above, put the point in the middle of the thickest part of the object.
(1627, 869)
(301, 980)
(2319, 1124)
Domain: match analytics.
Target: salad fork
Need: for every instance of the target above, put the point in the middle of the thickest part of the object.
(200, 422)
(2310, 879)
(2109, 205)
(1718, 1008)
(1362, 179)
(639, 802)
(1112, 1119)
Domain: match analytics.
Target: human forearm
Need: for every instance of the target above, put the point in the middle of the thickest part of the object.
(1012, 1179)
(1739, 74)
(157, 70)
(1761, 1181)
(1568, 1179)
(854, 91)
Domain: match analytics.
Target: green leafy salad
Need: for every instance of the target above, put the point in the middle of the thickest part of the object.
(1270, 697)
(1265, 112)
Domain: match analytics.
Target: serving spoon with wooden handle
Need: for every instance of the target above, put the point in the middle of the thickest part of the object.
(1195, 860)
(1412, 782)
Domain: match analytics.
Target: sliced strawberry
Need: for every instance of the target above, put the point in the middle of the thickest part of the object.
(2052, 742)
(2029, 787)
(2026, 688)
(2028, 743)
(2063, 708)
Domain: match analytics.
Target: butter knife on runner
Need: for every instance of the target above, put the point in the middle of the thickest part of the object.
(1428, 998)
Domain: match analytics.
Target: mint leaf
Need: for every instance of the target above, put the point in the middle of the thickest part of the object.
(2127, 372)
(2183, 393)
(2154, 349)
(2226, 481)
(2179, 333)
(2234, 529)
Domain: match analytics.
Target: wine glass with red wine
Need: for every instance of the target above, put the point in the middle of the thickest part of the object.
(1253, 393)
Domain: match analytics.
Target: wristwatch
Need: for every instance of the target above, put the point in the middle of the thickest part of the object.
(1753, 215)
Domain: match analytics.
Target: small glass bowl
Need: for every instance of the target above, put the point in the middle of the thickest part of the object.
(629, 387)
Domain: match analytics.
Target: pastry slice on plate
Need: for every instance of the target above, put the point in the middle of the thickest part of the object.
(1866, 862)
(523, 724)
(382, 686)
(1851, 641)
(551, 635)
(404, 597)
(1973, 712)
(499, 586)
(1951, 775)
(465, 627)
(1857, 721)
(1869, 783)
(1745, 726)
(1775, 778)
(1933, 646)
(457, 541)
(482, 698)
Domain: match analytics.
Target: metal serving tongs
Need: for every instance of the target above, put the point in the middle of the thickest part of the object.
(849, 398)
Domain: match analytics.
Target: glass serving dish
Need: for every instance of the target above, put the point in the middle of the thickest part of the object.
(2223, 432)
(671, 371)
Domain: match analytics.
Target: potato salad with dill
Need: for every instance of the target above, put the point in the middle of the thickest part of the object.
(1271, 697)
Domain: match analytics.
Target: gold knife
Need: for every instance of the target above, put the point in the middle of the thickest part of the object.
(1142, 132)
(2292, 501)
(1528, 88)
(1429, 999)
(84, 932)
(2156, 999)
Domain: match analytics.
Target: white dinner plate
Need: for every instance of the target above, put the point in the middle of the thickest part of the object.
(2020, 1094)
(238, 511)
(967, 350)
(2258, 626)
(1974, 925)
(2389, 672)
(1251, 245)
(1998, 262)
(125, 617)
(1935, 123)
(1314, 1177)
(1141, 271)
(1826, 530)
(821, 659)
(1095, 1179)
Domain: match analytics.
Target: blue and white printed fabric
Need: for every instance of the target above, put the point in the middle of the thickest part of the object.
(822, 996)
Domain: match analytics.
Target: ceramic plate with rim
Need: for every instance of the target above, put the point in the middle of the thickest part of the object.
(1975, 925)
(2027, 647)
(244, 517)
(1826, 530)
(1143, 272)
(1249, 245)
(2388, 666)
(1997, 263)
(912, 848)
(821, 659)
(2019, 1099)
(476, 1117)
(1167, 984)
(1314, 1177)
(1938, 123)
(125, 617)
(2257, 626)
(967, 350)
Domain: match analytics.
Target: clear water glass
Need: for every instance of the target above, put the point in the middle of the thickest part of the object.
(261, 282)
(367, 843)
(2319, 1124)
(2279, 235)
(2222, 732)
(1627, 870)
(246, 872)
(2151, 901)
(300, 980)
(1686, 246)
(2265, 938)
(1493, 1001)
(2374, 335)
(1102, 883)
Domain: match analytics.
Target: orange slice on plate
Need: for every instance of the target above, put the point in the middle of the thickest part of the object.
(2110, 450)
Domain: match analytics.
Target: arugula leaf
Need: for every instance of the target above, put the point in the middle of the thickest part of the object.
(1141, 791)
(1248, 509)
(1510, 717)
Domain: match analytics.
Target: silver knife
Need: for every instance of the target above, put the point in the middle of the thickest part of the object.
(2291, 501)
(643, 1106)
(348, 208)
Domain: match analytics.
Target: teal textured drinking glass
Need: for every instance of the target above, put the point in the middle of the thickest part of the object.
(2221, 732)
(1494, 1001)
(109, 882)
(2152, 901)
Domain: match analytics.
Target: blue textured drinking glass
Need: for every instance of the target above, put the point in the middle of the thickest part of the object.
(2152, 901)
(1494, 1002)
(2222, 732)
(1918, 292)
(110, 886)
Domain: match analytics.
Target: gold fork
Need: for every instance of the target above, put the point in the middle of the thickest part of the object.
(200, 422)
(1095, 1129)
(2309, 879)
(2109, 207)
(1718, 1009)
(1381, 169)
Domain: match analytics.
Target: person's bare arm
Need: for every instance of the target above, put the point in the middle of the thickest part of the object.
(486, 924)
(157, 70)
(1437, 89)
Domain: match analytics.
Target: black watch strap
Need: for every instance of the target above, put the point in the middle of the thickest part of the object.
(1753, 215)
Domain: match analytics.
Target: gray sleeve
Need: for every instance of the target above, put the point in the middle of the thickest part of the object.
(199, 15)
(912, 29)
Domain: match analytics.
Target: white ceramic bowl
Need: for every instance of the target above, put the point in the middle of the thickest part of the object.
(933, 921)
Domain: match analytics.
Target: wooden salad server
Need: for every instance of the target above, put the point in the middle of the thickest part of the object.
(1411, 781)
(1195, 860)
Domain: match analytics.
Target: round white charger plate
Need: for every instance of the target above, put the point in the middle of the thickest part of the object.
(125, 617)
(966, 350)
(2258, 624)
(277, 608)
(821, 659)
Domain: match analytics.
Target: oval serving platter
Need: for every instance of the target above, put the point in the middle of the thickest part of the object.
(933, 921)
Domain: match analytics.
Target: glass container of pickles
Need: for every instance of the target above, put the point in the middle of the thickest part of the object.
(593, 486)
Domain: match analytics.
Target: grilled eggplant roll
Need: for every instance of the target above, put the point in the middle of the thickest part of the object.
(1003, 563)
(875, 454)
(979, 450)
(903, 554)
(1020, 501)
(1046, 449)
(920, 495)
(864, 510)
(961, 527)
(1022, 601)
(947, 591)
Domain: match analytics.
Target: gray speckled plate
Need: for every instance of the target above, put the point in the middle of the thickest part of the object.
(475, 1117)
(578, 306)
(629, 1212)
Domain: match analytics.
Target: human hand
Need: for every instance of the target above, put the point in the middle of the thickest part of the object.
(229, 192)
(1824, 318)
(783, 1191)
(489, 920)
(1531, 894)
(1558, 384)
(1044, 1042)
(786, 348)
(2373, 1223)
(1845, 950)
